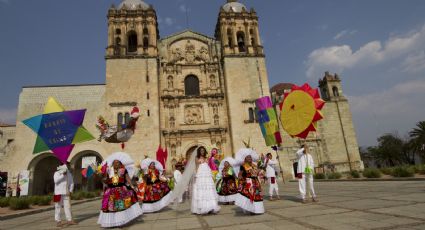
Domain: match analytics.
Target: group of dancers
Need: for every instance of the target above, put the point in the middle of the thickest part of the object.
(130, 191)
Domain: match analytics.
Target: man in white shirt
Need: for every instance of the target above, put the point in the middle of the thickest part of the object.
(305, 168)
(64, 186)
(271, 176)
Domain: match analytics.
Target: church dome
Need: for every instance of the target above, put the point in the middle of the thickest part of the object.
(133, 4)
(234, 6)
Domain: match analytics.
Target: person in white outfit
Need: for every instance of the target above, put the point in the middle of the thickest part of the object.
(178, 177)
(64, 186)
(305, 172)
(271, 176)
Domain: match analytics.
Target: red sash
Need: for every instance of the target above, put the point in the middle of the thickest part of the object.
(57, 198)
(273, 180)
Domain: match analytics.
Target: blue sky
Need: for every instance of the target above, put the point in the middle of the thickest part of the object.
(377, 47)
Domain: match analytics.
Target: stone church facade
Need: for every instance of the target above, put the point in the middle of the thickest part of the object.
(191, 90)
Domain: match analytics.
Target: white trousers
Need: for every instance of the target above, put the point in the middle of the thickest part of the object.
(65, 203)
(273, 187)
(307, 180)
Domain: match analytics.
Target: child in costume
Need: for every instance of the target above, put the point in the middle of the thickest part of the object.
(226, 183)
(177, 177)
(214, 162)
(119, 202)
(249, 196)
(270, 165)
(157, 191)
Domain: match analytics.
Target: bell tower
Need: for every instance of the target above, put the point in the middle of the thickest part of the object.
(237, 29)
(132, 30)
(132, 71)
(245, 72)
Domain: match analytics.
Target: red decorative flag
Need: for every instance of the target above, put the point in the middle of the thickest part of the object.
(160, 156)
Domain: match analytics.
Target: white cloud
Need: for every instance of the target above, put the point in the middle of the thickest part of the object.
(398, 99)
(7, 116)
(169, 21)
(414, 63)
(344, 33)
(339, 58)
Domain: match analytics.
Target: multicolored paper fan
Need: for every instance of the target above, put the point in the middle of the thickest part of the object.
(300, 110)
(58, 130)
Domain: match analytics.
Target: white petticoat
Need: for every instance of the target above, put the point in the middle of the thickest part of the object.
(225, 199)
(246, 204)
(116, 219)
(160, 204)
(205, 197)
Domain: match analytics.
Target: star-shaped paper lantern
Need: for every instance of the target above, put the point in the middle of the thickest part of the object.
(300, 110)
(58, 130)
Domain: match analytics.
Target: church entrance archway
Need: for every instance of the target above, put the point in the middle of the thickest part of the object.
(80, 182)
(42, 168)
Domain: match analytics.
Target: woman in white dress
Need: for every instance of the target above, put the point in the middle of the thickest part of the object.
(204, 198)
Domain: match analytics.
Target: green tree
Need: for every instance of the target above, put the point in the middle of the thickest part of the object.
(418, 138)
(389, 151)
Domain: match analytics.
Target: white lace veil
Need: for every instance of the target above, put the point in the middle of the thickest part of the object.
(189, 171)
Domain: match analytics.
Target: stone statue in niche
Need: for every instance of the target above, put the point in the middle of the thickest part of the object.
(193, 114)
(216, 120)
(215, 109)
(170, 82)
(213, 84)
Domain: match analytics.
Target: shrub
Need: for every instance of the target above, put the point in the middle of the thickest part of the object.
(372, 173)
(45, 200)
(4, 202)
(421, 169)
(403, 171)
(35, 200)
(334, 175)
(19, 203)
(386, 171)
(319, 176)
(355, 174)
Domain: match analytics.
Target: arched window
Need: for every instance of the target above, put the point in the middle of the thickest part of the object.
(170, 83)
(191, 86)
(147, 78)
(147, 95)
(240, 36)
(335, 91)
(117, 49)
(251, 33)
(149, 113)
(132, 42)
(127, 118)
(229, 37)
(118, 31)
(119, 121)
(251, 116)
(117, 41)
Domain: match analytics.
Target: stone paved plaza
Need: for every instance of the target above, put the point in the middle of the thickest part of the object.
(342, 205)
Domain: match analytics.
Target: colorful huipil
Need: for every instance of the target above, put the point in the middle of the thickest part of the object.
(117, 195)
(226, 185)
(156, 188)
(249, 185)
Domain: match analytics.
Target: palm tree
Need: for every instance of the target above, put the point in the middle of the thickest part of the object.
(418, 137)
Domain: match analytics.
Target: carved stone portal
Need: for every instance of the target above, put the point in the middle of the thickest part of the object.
(194, 114)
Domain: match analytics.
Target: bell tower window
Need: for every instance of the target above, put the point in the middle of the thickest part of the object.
(241, 41)
(335, 91)
(132, 42)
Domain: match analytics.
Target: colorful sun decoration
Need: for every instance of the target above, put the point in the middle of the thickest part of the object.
(300, 110)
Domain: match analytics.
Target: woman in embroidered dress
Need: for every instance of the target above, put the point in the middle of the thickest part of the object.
(226, 183)
(249, 196)
(119, 203)
(204, 198)
(157, 193)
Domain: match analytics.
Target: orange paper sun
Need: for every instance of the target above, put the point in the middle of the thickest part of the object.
(300, 110)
